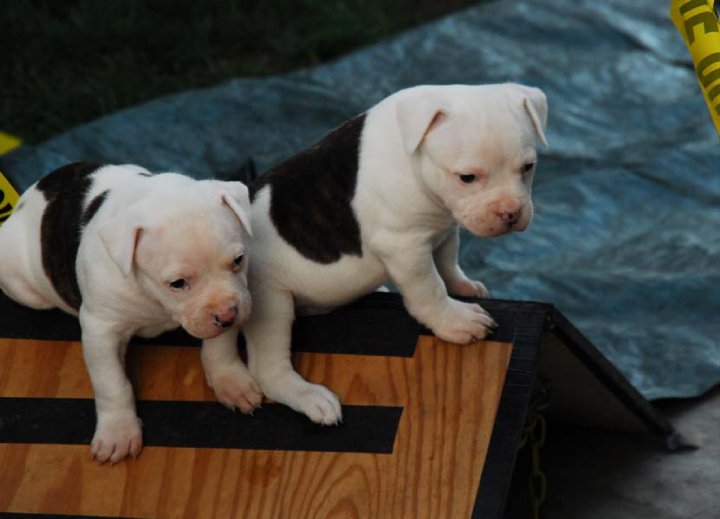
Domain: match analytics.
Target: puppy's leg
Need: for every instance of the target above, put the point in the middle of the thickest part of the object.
(225, 372)
(446, 260)
(425, 296)
(118, 431)
(268, 340)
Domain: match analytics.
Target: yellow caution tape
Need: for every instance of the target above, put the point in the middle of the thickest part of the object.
(8, 142)
(698, 24)
(8, 198)
(8, 195)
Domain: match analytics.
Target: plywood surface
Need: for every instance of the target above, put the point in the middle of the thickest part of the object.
(449, 395)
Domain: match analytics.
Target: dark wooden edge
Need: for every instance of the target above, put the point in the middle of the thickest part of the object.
(616, 383)
(532, 319)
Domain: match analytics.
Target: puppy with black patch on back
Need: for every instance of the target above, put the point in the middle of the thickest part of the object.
(132, 253)
(380, 198)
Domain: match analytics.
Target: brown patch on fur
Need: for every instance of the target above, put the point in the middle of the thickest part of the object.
(65, 190)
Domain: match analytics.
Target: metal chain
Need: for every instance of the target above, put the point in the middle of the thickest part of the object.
(534, 433)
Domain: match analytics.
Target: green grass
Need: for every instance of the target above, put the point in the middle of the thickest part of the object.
(66, 62)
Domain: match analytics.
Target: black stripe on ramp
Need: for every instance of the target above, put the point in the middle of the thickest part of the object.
(377, 324)
(369, 429)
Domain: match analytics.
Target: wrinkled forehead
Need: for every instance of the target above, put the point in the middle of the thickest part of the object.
(499, 114)
(200, 238)
(487, 133)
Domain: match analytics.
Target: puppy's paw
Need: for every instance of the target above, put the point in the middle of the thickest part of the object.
(319, 404)
(116, 437)
(466, 288)
(315, 401)
(462, 323)
(237, 389)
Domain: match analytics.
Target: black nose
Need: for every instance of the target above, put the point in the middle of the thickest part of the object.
(509, 217)
(223, 323)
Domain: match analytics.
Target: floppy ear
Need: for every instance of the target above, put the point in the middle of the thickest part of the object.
(120, 237)
(535, 104)
(236, 196)
(417, 114)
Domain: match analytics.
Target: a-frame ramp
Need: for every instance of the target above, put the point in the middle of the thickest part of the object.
(430, 429)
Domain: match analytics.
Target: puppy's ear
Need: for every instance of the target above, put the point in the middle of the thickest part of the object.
(120, 237)
(417, 114)
(236, 196)
(535, 104)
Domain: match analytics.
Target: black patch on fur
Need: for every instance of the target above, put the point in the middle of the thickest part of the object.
(93, 207)
(143, 174)
(62, 179)
(65, 190)
(311, 194)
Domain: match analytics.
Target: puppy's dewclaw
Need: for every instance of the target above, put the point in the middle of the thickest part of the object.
(380, 199)
(131, 253)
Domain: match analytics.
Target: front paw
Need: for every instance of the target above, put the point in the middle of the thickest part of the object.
(317, 402)
(236, 389)
(462, 323)
(116, 437)
(465, 287)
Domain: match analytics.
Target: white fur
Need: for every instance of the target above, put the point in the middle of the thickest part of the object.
(148, 232)
(408, 198)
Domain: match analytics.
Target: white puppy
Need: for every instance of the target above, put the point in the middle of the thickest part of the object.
(379, 199)
(133, 254)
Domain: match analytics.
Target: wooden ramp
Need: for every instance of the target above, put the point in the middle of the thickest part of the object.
(425, 463)
(430, 429)
(418, 420)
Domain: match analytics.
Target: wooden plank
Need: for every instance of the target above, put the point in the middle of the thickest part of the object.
(157, 372)
(449, 394)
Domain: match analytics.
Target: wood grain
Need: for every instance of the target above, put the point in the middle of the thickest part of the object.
(449, 393)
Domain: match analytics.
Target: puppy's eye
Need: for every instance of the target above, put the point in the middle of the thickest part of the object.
(468, 178)
(528, 167)
(238, 261)
(178, 284)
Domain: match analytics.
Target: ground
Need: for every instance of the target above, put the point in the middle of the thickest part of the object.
(595, 474)
(65, 63)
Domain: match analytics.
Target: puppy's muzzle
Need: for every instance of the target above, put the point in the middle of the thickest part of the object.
(226, 318)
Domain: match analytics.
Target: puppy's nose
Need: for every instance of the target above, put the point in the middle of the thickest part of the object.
(509, 217)
(226, 318)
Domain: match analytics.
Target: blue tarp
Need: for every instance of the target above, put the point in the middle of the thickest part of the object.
(626, 241)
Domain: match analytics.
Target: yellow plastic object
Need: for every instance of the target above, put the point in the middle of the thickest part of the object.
(8, 198)
(8, 195)
(8, 142)
(698, 24)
